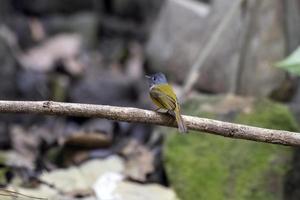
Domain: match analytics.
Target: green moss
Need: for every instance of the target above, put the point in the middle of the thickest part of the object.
(203, 166)
(3, 170)
(269, 114)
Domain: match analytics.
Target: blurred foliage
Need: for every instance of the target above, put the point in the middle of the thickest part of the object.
(204, 166)
(3, 169)
(291, 63)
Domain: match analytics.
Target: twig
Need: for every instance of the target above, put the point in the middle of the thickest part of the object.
(128, 114)
(194, 72)
(16, 195)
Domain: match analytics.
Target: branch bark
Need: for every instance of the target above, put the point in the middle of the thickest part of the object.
(128, 114)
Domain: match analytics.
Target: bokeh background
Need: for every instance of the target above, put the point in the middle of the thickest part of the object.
(99, 51)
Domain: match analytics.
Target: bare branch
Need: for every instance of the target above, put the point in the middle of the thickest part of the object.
(128, 114)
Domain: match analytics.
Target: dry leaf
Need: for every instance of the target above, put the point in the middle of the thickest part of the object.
(140, 161)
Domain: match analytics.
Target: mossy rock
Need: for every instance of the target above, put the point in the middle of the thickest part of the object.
(204, 166)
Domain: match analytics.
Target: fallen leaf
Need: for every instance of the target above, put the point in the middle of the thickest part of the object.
(139, 161)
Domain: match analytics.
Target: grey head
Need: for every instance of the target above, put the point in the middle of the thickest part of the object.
(155, 79)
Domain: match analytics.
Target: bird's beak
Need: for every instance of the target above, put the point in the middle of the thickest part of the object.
(148, 76)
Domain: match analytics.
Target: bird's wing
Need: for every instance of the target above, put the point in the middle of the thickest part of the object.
(163, 96)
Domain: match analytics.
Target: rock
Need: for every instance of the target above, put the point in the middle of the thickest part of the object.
(135, 191)
(128, 19)
(118, 29)
(5, 10)
(99, 125)
(184, 28)
(292, 19)
(168, 44)
(134, 65)
(85, 24)
(21, 29)
(33, 85)
(104, 176)
(103, 87)
(227, 168)
(74, 179)
(8, 89)
(105, 186)
(266, 46)
(16, 159)
(111, 186)
(81, 178)
(137, 10)
(43, 58)
(5, 137)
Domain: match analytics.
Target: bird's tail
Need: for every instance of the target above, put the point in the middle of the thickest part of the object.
(181, 125)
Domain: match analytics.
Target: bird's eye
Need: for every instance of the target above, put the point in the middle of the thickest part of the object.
(154, 78)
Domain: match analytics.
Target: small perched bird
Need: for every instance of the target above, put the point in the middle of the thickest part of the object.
(163, 96)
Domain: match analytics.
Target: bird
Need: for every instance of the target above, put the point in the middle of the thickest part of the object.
(163, 96)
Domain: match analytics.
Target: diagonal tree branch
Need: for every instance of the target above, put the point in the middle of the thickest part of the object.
(128, 114)
(194, 72)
